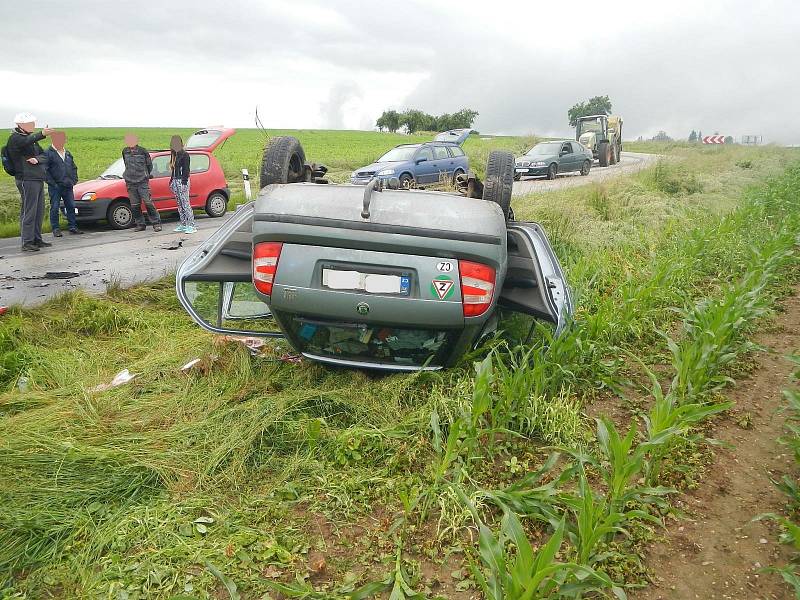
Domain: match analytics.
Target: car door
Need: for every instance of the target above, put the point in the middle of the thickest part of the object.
(424, 169)
(162, 196)
(200, 184)
(214, 283)
(535, 284)
(443, 163)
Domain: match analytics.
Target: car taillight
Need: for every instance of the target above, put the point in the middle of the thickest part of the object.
(265, 263)
(477, 287)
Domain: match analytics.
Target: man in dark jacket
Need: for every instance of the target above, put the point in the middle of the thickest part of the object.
(138, 167)
(29, 163)
(62, 175)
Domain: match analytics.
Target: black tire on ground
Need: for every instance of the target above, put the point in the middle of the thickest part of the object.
(406, 181)
(216, 205)
(552, 171)
(283, 161)
(587, 165)
(499, 179)
(119, 214)
(603, 154)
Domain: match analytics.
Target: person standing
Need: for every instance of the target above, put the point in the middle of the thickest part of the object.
(138, 167)
(179, 184)
(62, 175)
(29, 162)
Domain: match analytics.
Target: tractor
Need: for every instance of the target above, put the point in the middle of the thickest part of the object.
(602, 134)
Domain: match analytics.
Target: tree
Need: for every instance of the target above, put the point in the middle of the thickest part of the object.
(414, 120)
(463, 119)
(389, 120)
(599, 105)
(728, 139)
(693, 136)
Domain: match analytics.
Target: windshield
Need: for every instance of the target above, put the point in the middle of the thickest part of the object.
(595, 125)
(399, 154)
(114, 171)
(544, 149)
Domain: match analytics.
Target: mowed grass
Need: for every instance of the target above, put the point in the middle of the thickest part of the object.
(251, 472)
(341, 151)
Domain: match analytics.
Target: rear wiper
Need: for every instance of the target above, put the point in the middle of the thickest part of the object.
(110, 177)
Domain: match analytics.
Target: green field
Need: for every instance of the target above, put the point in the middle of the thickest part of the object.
(259, 478)
(341, 151)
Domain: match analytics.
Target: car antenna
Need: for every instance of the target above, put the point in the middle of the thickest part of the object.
(374, 185)
(260, 125)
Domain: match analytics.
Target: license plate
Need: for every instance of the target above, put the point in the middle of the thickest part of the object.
(521, 170)
(372, 283)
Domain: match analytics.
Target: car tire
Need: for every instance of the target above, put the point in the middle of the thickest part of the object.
(587, 165)
(603, 153)
(119, 214)
(552, 171)
(499, 179)
(407, 181)
(216, 205)
(456, 173)
(283, 161)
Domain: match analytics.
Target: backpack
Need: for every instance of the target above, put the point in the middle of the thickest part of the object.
(8, 165)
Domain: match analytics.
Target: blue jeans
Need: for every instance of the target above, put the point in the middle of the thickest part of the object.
(57, 194)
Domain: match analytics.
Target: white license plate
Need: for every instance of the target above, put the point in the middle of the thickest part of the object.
(521, 170)
(372, 283)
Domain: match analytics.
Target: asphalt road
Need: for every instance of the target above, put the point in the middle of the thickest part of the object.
(102, 256)
(630, 162)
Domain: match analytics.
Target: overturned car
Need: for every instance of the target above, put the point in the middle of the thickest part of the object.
(375, 277)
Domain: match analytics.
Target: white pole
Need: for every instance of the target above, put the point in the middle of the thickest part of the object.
(248, 194)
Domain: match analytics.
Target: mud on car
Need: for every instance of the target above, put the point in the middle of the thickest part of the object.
(375, 277)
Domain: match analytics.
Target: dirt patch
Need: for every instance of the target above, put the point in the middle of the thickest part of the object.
(718, 551)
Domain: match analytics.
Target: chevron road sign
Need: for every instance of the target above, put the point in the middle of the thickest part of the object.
(713, 139)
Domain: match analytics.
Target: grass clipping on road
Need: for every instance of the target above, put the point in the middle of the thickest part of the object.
(257, 478)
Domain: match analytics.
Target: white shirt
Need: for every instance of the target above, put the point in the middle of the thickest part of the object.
(61, 153)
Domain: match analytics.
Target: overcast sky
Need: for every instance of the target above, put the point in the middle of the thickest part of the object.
(710, 65)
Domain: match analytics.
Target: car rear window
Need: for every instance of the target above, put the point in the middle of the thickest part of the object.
(372, 343)
(198, 163)
(456, 151)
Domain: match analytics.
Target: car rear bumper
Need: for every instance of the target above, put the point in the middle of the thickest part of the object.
(95, 210)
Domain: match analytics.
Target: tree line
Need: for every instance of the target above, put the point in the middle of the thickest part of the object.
(414, 120)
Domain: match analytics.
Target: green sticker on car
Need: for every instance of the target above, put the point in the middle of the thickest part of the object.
(443, 287)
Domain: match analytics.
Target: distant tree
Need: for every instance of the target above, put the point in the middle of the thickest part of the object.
(699, 136)
(414, 120)
(463, 119)
(662, 136)
(728, 139)
(389, 120)
(381, 122)
(693, 136)
(599, 105)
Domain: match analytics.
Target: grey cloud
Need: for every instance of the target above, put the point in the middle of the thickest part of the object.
(332, 110)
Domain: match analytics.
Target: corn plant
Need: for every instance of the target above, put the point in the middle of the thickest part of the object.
(525, 573)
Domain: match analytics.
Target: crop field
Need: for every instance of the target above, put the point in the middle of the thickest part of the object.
(341, 151)
(537, 468)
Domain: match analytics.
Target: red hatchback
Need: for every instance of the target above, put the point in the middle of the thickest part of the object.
(106, 198)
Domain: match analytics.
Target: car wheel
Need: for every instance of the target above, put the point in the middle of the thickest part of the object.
(499, 179)
(283, 161)
(552, 171)
(216, 205)
(407, 181)
(456, 174)
(587, 164)
(603, 154)
(119, 214)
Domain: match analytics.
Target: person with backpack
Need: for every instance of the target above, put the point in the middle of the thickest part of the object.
(27, 161)
(179, 184)
(62, 175)
(138, 169)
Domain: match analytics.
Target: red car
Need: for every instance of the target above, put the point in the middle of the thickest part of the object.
(106, 198)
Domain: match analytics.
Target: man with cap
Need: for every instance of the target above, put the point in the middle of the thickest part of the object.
(62, 175)
(29, 163)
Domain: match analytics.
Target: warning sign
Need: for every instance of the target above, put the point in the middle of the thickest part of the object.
(443, 287)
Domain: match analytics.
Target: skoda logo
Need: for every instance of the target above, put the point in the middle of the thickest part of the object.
(363, 308)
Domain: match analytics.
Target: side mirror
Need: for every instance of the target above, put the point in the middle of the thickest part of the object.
(228, 307)
(421, 160)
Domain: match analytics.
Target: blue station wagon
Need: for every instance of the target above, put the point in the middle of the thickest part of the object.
(420, 164)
